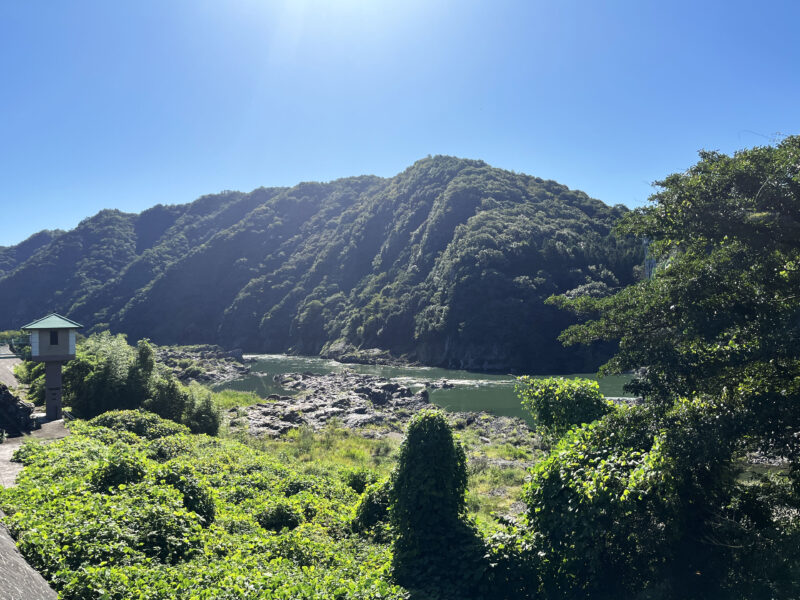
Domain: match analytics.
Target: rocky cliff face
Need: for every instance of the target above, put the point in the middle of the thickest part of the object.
(15, 414)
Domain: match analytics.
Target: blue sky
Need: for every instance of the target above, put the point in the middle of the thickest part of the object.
(130, 104)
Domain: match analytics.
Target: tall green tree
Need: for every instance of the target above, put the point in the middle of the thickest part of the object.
(665, 494)
(721, 315)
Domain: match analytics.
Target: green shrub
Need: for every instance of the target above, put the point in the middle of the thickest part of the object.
(373, 507)
(100, 378)
(280, 513)
(168, 447)
(435, 547)
(121, 466)
(168, 399)
(359, 478)
(139, 422)
(197, 495)
(558, 404)
(652, 509)
(202, 416)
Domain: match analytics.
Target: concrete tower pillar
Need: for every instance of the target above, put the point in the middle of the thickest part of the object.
(52, 384)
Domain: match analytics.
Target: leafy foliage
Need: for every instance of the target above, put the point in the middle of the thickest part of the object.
(109, 375)
(141, 423)
(558, 404)
(121, 467)
(201, 414)
(666, 496)
(435, 547)
(193, 526)
(372, 513)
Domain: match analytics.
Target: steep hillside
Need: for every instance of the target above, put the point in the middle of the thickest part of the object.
(448, 263)
(13, 256)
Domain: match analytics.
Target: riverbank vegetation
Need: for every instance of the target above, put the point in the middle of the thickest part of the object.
(109, 374)
(664, 499)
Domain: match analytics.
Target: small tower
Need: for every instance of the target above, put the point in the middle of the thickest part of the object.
(53, 343)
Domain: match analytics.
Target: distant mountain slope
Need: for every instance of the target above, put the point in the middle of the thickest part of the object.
(13, 256)
(448, 262)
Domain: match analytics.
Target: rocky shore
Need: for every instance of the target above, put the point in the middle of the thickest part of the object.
(206, 364)
(374, 405)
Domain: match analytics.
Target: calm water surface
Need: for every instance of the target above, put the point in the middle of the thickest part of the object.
(472, 392)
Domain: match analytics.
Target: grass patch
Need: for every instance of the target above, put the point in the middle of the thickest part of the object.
(227, 399)
(331, 449)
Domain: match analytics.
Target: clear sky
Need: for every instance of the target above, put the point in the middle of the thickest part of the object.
(127, 104)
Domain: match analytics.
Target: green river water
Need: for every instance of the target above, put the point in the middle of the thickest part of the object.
(472, 392)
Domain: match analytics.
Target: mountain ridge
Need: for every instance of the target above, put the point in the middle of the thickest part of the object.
(432, 264)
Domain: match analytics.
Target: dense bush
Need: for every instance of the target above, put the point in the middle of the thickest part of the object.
(280, 513)
(558, 404)
(435, 548)
(139, 422)
(359, 478)
(201, 414)
(214, 521)
(651, 505)
(692, 496)
(197, 495)
(122, 466)
(373, 508)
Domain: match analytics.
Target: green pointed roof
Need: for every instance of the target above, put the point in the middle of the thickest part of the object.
(53, 321)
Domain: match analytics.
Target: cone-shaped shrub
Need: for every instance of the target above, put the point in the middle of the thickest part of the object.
(434, 546)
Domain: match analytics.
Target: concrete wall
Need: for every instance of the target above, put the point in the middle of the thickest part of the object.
(40, 343)
(18, 580)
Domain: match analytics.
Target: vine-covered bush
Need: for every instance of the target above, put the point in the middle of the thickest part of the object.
(138, 422)
(359, 478)
(280, 513)
(122, 466)
(557, 404)
(183, 516)
(621, 506)
(197, 495)
(373, 509)
(435, 547)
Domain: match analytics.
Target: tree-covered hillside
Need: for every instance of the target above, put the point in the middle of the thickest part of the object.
(13, 256)
(448, 263)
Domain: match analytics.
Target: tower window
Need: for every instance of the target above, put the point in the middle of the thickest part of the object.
(54, 338)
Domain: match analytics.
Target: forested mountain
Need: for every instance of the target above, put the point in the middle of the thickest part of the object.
(13, 256)
(448, 262)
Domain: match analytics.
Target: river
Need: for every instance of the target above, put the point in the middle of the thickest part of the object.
(471, 392)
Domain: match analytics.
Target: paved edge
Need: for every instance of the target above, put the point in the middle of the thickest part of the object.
(18, 580)
(7, 362)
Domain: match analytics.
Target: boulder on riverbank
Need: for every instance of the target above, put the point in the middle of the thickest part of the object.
(206, 364)
(343, 352)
